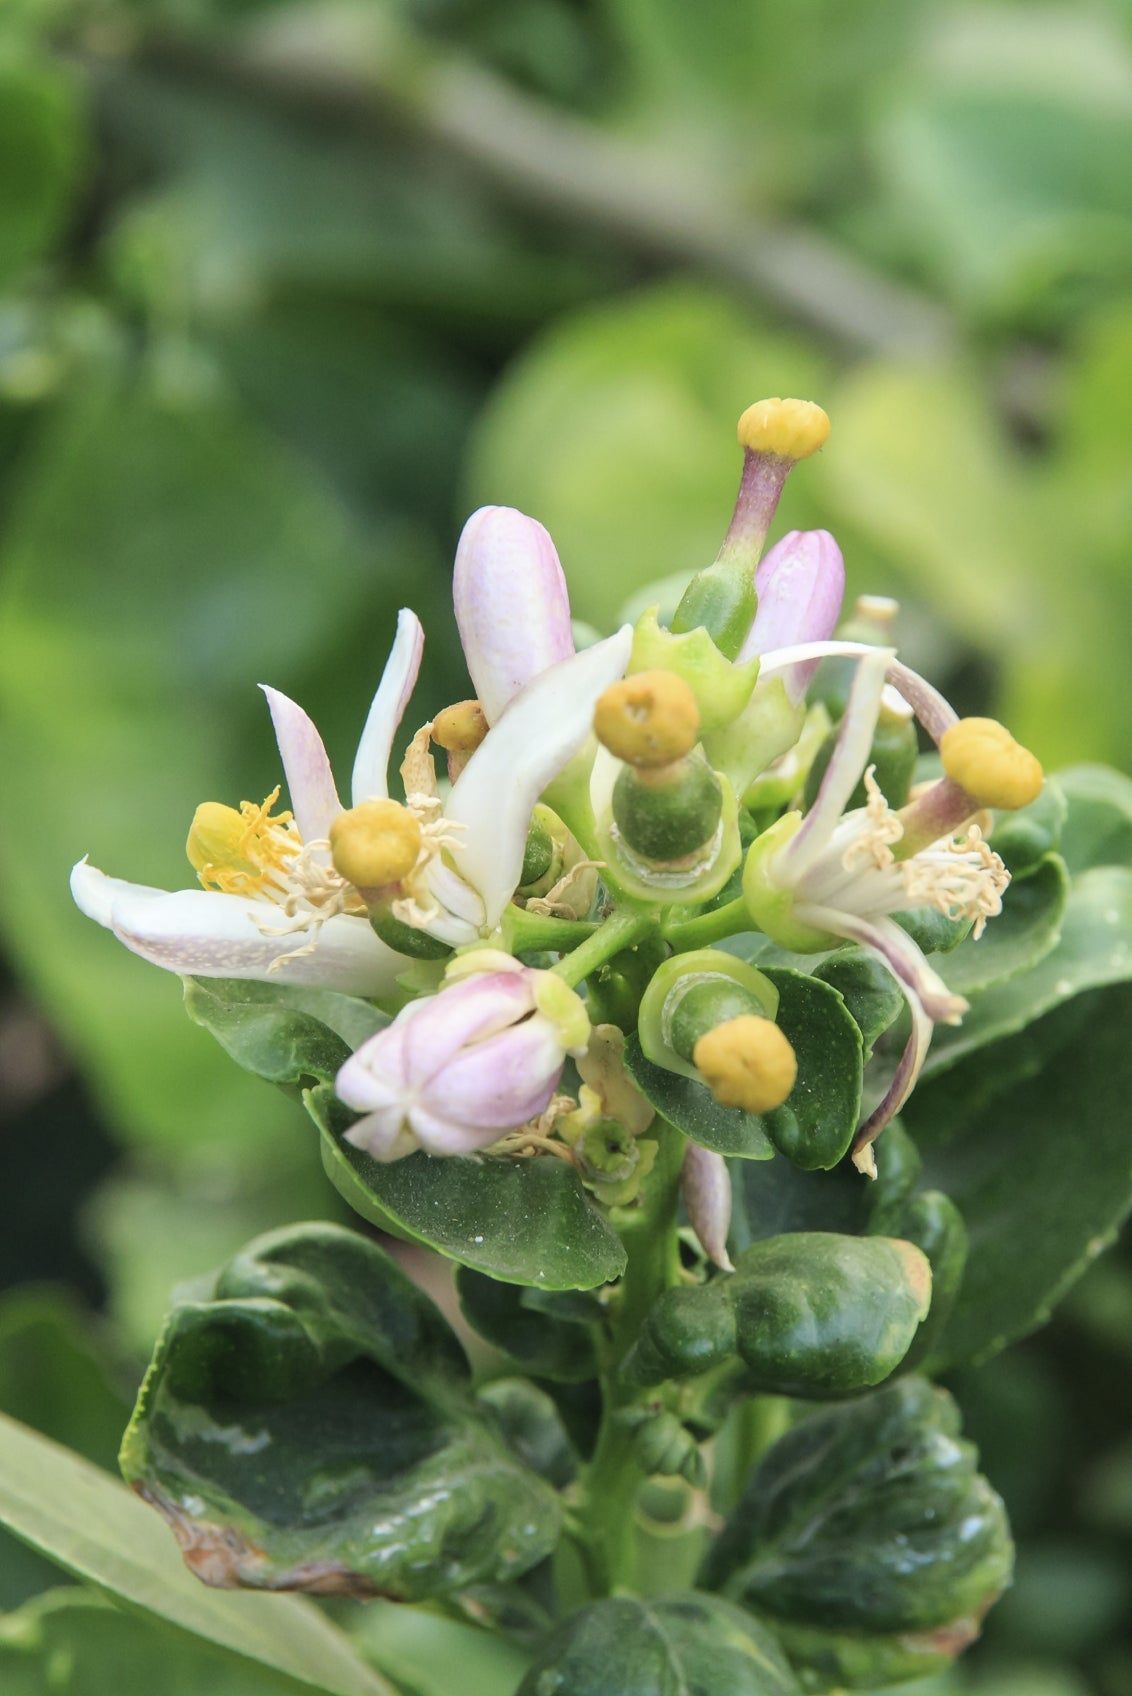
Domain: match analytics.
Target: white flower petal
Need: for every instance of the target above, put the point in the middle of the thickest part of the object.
(310, 781)
(847, 762)
(536, 736)
(370, 780)
(95, 893)
(199, 933)
(934, 712)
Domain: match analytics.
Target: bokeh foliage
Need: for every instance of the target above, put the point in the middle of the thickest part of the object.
(286, 288)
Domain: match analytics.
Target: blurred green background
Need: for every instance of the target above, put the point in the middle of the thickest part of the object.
(286, 290)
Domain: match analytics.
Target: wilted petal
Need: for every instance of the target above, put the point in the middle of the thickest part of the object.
(904, 959)
(511, 602)
(370, 780)
(537, 735)
(705, 1184)
(199, 933)
(933, 710)
(310, 781)
(847, 762)
(904, 1078)
(800, 584)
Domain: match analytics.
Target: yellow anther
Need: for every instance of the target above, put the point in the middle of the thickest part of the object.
(238, 851)
(376, 844)
(789, 429)
(649, 719)
(747, 1062)
(460, 728)
(984, 759)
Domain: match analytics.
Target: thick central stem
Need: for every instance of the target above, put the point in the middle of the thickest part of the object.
(614, 1477)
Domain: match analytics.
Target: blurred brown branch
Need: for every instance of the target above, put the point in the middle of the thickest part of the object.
(360, 65)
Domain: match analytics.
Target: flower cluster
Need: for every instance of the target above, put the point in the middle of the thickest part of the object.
(594, 817)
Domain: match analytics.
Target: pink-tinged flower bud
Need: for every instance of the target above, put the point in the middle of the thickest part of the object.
(706, 1187)
(800, 584)
(457, 1070)
(511, 602)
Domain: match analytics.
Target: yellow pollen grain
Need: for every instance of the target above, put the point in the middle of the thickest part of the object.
(649, 719)
(747, 1062)
(982, 757)
(376, 844)
(460, 728)
(789, 429)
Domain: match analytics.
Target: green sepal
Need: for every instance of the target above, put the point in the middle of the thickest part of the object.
(869, 1517)
(811, 1314)
(769, 726)
(542, 1332)
(722, 688)
(286, 1033)
(632, 1646)
(310, 1425)
(522, 1221)
(407, 939)
(771, 907)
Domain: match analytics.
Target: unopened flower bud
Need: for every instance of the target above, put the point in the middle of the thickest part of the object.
(376, 844)
(460, 728)
(788, 429)
(649, 719)
(982, 757)
(668, 814)
(747, 1062)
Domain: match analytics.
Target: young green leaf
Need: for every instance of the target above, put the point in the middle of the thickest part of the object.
(91, 1526)
(687, 1645)
(870, 1518)
(373, 1472)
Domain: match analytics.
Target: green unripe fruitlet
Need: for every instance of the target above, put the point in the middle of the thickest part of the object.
(668, 815)
(893, 753)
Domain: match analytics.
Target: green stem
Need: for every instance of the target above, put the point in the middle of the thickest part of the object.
(700, 932)
(619, 931)
(614, 1477)
(526, 932)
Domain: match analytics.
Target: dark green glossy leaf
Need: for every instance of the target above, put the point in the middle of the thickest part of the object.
(1023, 839)
(286, 1034)
(868, 988)
(1030, 1139)
(811, 1314)
(1023, 933)
(689, 1645)
(932, 1221)
(544, 1344)
(1098, 829)
(531, 1428)
(815, 1125)
(872, 1518)
(769, 1201)
(1095, 949)
(90, 1525)
(372, 1472)
(522, 1221)
(74, 1643)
